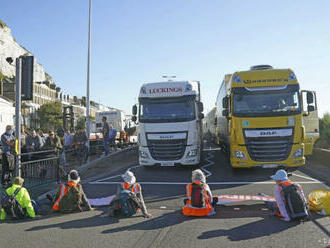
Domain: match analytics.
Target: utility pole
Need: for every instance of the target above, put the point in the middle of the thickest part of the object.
(88, 75)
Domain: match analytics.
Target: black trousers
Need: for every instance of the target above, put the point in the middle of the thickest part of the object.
(8, 167)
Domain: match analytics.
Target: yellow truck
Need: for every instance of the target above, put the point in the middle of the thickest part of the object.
(263, 119)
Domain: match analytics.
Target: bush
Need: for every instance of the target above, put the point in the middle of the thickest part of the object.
(324, 141)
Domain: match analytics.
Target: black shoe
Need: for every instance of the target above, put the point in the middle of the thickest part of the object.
(49, 197)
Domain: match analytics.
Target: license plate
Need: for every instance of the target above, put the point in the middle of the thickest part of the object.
(269, 165)
(167, 163)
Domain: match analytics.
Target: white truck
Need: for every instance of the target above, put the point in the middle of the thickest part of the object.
(170, 123)
(115, 118)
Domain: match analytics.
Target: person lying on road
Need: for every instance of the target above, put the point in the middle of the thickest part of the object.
(199, 200)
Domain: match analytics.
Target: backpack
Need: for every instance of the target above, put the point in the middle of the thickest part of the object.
(125, 204)
(197, 195)
(294, 202)
(11, 206)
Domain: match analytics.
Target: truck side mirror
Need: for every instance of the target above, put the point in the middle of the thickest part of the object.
(201, 116)
(310, 97)
(200, 107)
(134, 110)
(225, 102)
(134, 119)
(225, 112)
(310, 108)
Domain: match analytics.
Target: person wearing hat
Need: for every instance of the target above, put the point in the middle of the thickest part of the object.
(204, 205)
(131, 184)
(70, 197)
(53, 142)
(28, 207)
(281, 180)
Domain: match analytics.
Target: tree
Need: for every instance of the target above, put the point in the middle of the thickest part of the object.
(80, 123)
(325, 129)
(50, 116)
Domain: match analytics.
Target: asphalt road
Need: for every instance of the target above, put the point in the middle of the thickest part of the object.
(246, 224)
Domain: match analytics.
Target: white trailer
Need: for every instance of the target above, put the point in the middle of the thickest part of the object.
(115, 118)
(170, 123)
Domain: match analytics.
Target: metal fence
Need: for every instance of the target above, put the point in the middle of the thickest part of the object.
(49, 166)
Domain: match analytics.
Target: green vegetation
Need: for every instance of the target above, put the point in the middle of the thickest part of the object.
(324, 141)
(2, 24)
(80, 123)
(50, 116)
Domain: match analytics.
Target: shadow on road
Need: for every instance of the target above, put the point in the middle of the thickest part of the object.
(163, 221)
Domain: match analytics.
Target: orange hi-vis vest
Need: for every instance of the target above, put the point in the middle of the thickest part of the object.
(280, 185)
(64, 189)
(189, 210)
(135, 188)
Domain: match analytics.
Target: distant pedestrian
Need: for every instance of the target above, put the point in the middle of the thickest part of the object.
(290, 200)
(42, 136)
(80, 143)
(68, 143)
(105, 133)
(8, 158)
(53, 142)
(25, 207)
(70, 197)
(33, 142)
(112, 137)
(200, 201)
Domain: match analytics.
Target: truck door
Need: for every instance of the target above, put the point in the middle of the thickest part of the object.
(310, 120)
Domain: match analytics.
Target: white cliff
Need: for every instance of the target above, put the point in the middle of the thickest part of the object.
(10, 48)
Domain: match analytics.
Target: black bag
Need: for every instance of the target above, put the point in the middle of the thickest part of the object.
(11, 205)
(294, 202)
(125, 204)
(197, 195)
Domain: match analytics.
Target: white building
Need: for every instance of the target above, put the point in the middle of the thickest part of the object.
(7, 113)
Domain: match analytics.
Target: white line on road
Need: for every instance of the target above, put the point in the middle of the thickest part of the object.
(209, 159)
(210, 183)
(308, 178)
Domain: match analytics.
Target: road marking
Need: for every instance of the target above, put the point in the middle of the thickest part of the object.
(210, 183)
(209, 159)
(308, 178)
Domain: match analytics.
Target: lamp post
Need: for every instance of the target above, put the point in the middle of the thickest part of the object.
(88, 75)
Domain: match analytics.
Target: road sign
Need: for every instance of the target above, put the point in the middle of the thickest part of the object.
(27, 77)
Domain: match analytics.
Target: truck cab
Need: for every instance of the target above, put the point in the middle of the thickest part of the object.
(170, 123)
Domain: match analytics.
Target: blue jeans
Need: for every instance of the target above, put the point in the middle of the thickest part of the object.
(36, 206)
(106, 145)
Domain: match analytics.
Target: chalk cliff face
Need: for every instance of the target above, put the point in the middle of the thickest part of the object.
(10, 48)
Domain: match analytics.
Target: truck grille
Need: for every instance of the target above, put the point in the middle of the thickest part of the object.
(167, 150)
(268, 149)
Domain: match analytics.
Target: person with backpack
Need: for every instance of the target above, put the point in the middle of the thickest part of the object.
(8, 158)
(16, 202)
(291, 203)
(70, 197)
(200, 201)
(128, 199)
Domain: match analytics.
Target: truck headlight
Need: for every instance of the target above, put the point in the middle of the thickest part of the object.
(192, 153)
(143, 154)
(298, 153)
(239, 154)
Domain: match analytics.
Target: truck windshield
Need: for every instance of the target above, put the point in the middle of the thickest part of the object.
(267, 103)
(167, 110)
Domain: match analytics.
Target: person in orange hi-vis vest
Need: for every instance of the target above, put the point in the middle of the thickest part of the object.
(70, 197)
(131, 184)
(199, 200)
(278, 207)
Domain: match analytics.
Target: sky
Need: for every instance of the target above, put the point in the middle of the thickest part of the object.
(135, 42)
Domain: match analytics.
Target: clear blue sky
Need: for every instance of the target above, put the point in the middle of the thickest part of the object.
(139, 41)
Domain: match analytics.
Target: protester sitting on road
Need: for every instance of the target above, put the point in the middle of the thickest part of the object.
(199, 200)
(70, 196)
(8, 159)
(290, 200)
(53, 142)
(128, 198)
(24, 208)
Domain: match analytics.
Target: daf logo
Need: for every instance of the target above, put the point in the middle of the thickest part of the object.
(268, 133)
(166, 137)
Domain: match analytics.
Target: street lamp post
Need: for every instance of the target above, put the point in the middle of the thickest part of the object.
(88, 75)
